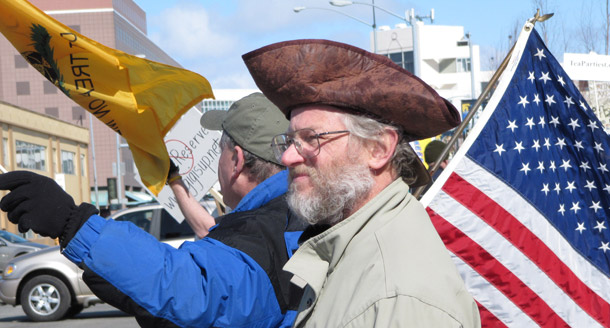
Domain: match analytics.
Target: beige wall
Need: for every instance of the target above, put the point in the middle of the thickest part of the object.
(19, 125)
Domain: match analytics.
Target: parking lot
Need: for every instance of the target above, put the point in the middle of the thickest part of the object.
(97, 316)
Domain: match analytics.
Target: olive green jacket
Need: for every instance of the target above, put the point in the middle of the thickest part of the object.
(384, 266)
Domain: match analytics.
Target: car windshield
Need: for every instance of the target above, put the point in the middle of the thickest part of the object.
(13, 238)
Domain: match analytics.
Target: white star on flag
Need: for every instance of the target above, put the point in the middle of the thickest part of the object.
(574, 124)
(545, 77)
(554, 121)
(545, 189)
(525, 167)
(540, 54)
(512, 126)
(595, 206)
(499, 149)
(518, 146)
(601, 225)
(536, 99)
(590, 185)
(523, 101)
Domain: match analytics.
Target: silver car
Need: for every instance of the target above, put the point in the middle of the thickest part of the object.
(12, 246)
(49, 287)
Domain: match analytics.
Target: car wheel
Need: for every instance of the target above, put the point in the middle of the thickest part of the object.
(45, 298)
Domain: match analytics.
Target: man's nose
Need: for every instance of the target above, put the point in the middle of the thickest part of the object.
(292, 157)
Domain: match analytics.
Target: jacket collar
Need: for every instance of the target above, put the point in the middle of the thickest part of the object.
(274, 186)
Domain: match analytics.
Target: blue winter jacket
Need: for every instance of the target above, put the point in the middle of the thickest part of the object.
(231, 278)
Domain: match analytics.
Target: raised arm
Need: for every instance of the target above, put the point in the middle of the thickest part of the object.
(196, 216)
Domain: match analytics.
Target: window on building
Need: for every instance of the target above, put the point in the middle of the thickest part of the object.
(48, 87)
(484, 85)
(403, 59)
(76, 28)
(78, 115)
(209, 104)
(67, 162)
(20, 62)
(83, 164)
(30, 156)
(462, 65)
(23, 88)
(52, 111)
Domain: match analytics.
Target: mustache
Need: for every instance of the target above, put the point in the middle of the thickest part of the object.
(300, 170)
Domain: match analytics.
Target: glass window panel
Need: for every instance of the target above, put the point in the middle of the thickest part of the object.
(82, 164)
(30, 156)
(67, 162)
(23, 88)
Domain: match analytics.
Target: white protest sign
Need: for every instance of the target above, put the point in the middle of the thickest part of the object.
(195, 151)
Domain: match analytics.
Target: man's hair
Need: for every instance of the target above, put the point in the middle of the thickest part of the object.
(258, 168)
(370, 130)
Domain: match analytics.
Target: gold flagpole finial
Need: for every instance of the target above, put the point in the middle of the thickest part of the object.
(538, 18)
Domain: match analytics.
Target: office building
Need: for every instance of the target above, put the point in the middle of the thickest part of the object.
(47, 146)
(443, 57)
(119, 24)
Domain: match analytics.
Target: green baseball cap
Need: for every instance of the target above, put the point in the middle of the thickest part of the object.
(433, 151)
(252, 122)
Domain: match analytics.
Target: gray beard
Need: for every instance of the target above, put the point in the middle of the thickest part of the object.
(334, 194)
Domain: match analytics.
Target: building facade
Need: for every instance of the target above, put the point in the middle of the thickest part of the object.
(444, 58)
(46, 145)
(119, 24)
(225, 98)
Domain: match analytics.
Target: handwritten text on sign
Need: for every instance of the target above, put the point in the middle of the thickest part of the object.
(195, 151)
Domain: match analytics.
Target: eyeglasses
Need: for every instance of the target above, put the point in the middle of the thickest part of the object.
(306, 142)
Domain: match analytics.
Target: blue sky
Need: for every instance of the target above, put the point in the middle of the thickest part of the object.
(209, 37)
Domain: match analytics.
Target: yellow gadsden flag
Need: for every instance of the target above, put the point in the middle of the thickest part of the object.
(139, 99)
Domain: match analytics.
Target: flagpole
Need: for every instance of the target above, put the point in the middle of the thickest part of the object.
(477, 104)
(97, 193)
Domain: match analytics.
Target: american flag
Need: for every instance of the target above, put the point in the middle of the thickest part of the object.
(524, 205)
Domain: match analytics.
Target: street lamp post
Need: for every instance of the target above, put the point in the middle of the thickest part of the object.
(339, 3)
(301, 8)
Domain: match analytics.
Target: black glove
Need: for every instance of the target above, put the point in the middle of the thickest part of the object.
(173, 169)
(37, 202)
(174, 172)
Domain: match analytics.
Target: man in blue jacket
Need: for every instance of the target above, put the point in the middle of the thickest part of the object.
(231, 278)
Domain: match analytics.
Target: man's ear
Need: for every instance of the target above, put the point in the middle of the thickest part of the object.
(381, 152)
(238, 161)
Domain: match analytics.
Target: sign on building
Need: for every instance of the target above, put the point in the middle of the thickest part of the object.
(587, 67)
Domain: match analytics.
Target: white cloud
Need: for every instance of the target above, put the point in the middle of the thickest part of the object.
(186, 31)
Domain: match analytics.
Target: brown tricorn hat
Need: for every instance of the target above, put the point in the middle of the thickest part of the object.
(302, 72)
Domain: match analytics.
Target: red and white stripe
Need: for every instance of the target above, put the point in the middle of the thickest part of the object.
(518, 267)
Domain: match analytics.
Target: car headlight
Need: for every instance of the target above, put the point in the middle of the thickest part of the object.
(10, 268)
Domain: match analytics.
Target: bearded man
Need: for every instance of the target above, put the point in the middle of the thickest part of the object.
(371, 257)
